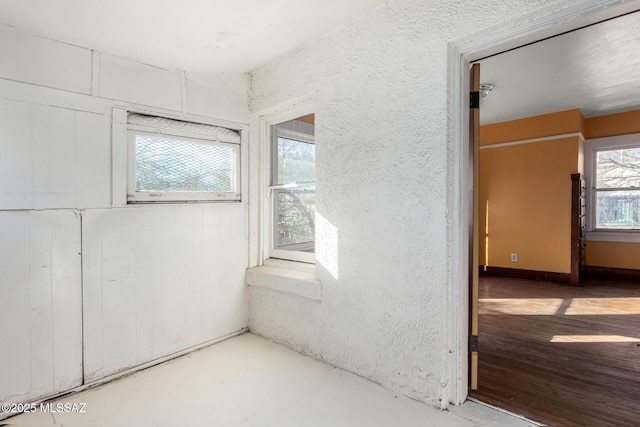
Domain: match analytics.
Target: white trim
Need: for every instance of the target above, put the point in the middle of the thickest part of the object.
(457, 325)
(284, 112)
(297, 136)
(297, 256)
(529, 141)
(290, 265)
(549, 21)
(291, 281)
(590, 147)
(612, 236)
(120, 144)
(176, 115)
(613, 142)
(119, 156)
(504, 411)
(42, 95)
(135, 196)
(181, 128)
(244, 169)
(289, 186)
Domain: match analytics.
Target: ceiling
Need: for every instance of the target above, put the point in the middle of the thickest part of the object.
(194, 35)
(596, 69)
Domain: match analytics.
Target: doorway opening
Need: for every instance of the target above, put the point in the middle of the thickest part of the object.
(491, 45)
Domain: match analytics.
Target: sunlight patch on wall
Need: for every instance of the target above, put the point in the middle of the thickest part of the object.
(327, 245)
(486, 235)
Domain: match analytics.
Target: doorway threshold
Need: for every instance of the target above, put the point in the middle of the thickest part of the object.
(504, 411)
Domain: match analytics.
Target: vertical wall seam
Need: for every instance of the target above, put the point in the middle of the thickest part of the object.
(29, 295)
(175, 274)
(95, 73)
(101, 294)
(32, 159)
(77, 168)
(183, 90)
(51, 287)
(82, 342)
(135, 284)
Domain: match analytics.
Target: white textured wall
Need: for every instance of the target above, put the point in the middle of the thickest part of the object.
(152, 280)
(379, 85)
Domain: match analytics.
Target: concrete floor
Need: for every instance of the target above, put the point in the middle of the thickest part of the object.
(249, 381)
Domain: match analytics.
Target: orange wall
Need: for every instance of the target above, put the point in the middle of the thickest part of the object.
(525, 190)
(525, 199)
(552, 124)
(613, 254)
(612, 125)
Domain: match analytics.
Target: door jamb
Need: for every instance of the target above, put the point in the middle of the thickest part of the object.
(541, 24)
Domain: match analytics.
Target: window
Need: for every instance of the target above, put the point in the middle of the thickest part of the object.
(175, 161)
(292, 189)
(613, 173)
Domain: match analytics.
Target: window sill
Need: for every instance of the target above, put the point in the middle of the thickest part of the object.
(289, 277)
(613, 236)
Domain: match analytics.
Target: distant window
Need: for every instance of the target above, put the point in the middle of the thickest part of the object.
(617, 189)
(174, 161)
(614, 169)
(292, 189)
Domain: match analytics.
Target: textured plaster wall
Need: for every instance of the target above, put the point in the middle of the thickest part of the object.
(379, 86)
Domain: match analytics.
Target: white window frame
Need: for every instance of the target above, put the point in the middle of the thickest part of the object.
(135, 197)
(302, 108)
(591, 148)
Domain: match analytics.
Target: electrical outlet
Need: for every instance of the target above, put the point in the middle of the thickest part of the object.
(514, 257)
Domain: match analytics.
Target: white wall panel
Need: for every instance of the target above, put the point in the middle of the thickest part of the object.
(32, 94)
(93, 160)
(16, 152)
(38, 60)
(92, 288)
(39, 242)
(54, 160)
(218, 101)
(15, 312)
(40, 309)
(53, 157)
(140, 83)
(160, 279)
(66, 298)
(157, 279)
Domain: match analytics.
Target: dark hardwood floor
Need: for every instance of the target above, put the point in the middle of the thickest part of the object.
(561, 355)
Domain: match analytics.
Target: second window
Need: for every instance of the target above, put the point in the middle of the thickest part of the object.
(292, 189)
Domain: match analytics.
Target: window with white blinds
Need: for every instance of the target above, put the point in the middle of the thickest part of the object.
(177, 161)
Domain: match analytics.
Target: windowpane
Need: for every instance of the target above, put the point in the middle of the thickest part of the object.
(292, 158)
(169, 165)
(618, 168)
(295, 218)
(618, 209)
(296, 161)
